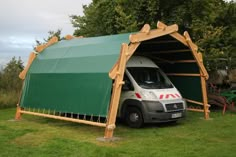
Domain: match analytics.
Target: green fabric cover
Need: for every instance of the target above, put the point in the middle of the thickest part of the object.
(189, 87)
(72, 76)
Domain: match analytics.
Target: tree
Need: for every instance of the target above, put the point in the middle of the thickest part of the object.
(211, 23)
(51, 34)
(9, 76)
(99, 19)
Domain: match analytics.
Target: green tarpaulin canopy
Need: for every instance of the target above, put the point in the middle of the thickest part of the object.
(71, 76)
(75, 76)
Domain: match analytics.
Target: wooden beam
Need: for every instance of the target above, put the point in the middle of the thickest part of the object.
(110, 126)
(174, 51)
(64, 118)
(52, 41)
(172, 61)
(196, 110)
(143, 36)
(196, 102)
(184, 61)
(32, 56)
(69, 37)
(175, 35)
(195, 54)
(161, 59)
(160, 42)
(182, 74)
(145, 29)
(186, 40)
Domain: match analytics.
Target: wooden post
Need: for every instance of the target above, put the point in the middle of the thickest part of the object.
(132, 48)
(18, 113)
(110, 126)
(204, 90)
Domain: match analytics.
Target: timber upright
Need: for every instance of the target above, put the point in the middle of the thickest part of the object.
(73, 79)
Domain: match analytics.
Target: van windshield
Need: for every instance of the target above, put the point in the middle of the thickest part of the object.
(150, 78)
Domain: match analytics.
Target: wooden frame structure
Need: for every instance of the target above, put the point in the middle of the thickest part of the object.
(117, 73)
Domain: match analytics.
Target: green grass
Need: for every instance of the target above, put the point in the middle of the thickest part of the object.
(36, 136)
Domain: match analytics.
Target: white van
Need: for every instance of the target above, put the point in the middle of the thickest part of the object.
(148, 96)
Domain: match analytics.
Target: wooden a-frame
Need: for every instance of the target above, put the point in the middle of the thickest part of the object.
(135, 41)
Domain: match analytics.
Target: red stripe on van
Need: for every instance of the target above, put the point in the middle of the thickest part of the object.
(138, 95)
(177, 95)
(161, 96)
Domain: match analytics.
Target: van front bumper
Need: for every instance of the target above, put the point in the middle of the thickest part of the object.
(150, 117)
(155, 113)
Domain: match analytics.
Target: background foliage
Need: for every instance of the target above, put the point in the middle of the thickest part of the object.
(211, 23)
(10, 83)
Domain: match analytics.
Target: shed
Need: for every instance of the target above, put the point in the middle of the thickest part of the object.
(84, 76)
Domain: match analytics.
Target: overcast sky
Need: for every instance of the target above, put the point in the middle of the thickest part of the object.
(24, 21)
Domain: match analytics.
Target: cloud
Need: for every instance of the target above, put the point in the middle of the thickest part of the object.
(24, 21)
(17, 42)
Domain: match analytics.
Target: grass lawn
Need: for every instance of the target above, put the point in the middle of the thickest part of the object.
(192, 137)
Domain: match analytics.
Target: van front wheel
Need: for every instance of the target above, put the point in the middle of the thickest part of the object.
(133, 117)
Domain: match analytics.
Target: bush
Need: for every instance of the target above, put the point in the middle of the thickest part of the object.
(8, 98)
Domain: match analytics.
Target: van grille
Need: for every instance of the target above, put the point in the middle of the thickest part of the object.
(174, 106)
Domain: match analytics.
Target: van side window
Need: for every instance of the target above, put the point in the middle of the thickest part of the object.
(128, 85)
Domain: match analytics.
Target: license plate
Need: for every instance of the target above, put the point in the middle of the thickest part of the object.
(176, 115)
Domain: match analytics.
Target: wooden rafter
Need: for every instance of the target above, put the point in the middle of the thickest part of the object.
(160, 42)
(184, 61)
(160, 59)
(186, 40)
(69, 37)
(175, 35)
(33, 55)
(142, 36)
(40, 48)
(174, 51)
(195, 54)
(182, 74)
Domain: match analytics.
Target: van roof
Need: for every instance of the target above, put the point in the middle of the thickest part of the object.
(140, 61)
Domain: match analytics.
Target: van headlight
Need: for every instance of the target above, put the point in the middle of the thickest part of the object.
(154, 106)
(148, 95)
